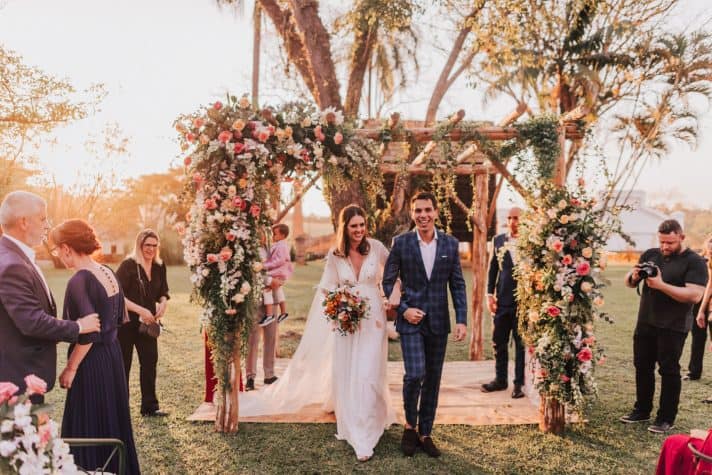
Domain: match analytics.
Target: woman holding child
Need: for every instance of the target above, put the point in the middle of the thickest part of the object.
(343, 373)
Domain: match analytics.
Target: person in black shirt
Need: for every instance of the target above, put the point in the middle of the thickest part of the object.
(699, 328)
(143, 278)
(664, 319)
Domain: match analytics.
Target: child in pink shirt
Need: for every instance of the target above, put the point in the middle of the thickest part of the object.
(277, 265)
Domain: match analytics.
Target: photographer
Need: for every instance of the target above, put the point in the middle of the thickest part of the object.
(673, 280)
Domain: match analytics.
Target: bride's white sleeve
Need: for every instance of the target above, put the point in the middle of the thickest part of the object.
(381, 252)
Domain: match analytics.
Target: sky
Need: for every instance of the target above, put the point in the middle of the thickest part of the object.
(160, 58)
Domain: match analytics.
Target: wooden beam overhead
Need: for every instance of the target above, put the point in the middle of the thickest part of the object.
(463, 169)
(425, 134)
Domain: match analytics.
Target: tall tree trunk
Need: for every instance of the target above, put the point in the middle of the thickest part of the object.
(360, 59)
(297, 53)
(257, 40)
(447, 77)
(317, 42)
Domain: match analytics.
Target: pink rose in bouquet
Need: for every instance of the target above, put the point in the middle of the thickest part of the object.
(35, 385)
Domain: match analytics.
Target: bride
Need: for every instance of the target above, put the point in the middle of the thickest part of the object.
(343, 374)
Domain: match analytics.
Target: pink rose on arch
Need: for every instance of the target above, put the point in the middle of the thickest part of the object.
(583, 268)
(230, 235)
(567, 260)
(7, 390)
(254, 211)
(263, 135)
(225, 136)
(198, 123)
(338, 138)
(564, 378)
(35, 385)
(190, 137)
(187, 161)
(553, 311)
(585, 354)
(212, 258)
(225, 254)
(239, 203)
(239, 148)
(217, 106)
(557, 245)
(210, 204)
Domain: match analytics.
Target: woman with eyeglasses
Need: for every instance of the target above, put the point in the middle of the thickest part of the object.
(143, 278)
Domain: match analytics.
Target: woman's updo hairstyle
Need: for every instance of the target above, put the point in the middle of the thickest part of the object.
(77, 234)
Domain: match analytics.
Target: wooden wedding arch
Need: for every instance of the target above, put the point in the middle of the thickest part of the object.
(473, 161)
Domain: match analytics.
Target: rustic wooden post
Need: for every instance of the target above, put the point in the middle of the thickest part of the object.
(479, 264)
(227, 411)
(552, 414)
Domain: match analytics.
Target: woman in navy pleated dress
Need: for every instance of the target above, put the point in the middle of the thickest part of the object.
(97, 403)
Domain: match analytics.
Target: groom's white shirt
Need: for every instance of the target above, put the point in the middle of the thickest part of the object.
(428, 251)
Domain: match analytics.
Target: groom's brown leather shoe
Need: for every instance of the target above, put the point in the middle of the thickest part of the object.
(429, 447)
(409, 442)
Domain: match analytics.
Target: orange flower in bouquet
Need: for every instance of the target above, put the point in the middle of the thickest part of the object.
(345, 309)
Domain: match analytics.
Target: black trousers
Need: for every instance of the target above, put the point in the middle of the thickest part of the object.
(697, 351)
(653, 345)
(147, 349)
(505, 323)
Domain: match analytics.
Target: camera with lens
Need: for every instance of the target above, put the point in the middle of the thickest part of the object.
(647, 269)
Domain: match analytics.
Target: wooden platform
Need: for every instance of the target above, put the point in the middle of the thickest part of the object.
(461, 401)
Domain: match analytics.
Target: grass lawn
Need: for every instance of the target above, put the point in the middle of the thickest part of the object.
(603, 445)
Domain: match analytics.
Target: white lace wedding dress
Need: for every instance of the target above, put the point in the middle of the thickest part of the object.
(345, 374)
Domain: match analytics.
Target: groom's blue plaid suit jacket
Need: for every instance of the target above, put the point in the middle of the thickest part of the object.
(429, 295)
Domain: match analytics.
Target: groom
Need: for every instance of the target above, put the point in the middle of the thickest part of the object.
(427, 261)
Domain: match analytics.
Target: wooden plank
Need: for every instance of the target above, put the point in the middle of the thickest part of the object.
(425, 134)
(463, 169)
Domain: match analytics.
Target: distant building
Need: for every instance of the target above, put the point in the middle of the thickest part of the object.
(641, 224)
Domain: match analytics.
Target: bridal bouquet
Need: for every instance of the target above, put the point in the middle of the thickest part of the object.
(345, 309)
(29, 441)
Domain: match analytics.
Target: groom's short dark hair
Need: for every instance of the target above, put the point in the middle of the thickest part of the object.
(424, 195)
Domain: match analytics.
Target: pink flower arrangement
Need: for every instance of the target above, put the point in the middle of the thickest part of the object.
(553, 311)
(239, 203)
(557, 245)
(198, 123)
(585, 354)
(7, 390)
(212, 258)
(187, 161)
(239, 148)
(210, 204)
(218, 105)
(225, 254)
(564, 378)
(567, 260)
(583, 268)
(190, 137)
(35, 385)
(225, 136)
(230, 235)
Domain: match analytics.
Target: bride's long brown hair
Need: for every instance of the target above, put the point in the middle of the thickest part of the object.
(342, 235)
